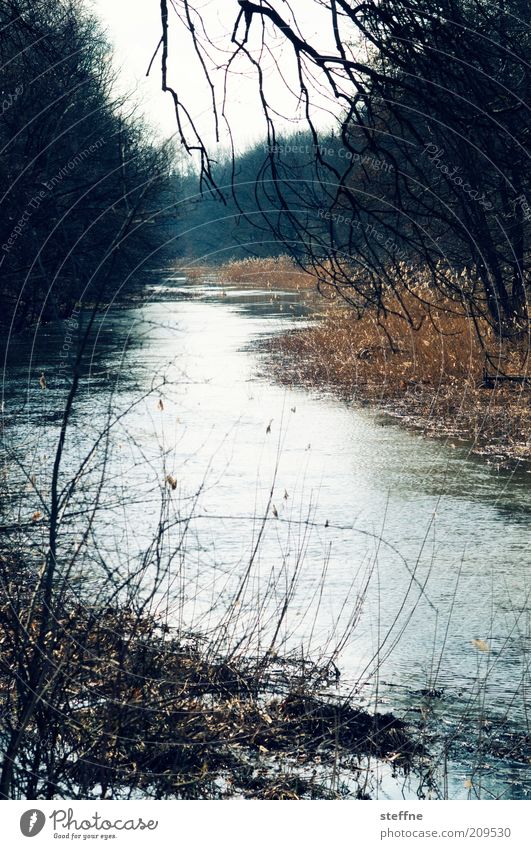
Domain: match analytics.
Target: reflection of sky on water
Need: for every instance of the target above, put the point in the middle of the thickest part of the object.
(434, 527)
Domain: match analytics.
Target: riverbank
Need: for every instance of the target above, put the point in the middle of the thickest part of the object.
(432, 374)
(135, 707)
(310, 569)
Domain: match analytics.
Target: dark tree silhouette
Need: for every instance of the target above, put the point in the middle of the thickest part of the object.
(79, 174)
(435, 136)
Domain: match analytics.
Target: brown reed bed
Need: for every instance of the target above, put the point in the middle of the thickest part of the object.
(436, 377)
(435, 372)
(271, 273)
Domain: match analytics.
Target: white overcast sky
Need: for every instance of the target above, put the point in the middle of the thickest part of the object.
(133, 27)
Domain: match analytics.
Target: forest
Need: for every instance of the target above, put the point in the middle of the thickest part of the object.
(86, 192)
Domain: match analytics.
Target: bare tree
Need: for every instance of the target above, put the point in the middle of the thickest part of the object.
(434, 127)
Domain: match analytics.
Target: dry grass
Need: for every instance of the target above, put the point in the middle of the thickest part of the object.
(147, 710)
(273, 273)
(194, 272)
(433, 372)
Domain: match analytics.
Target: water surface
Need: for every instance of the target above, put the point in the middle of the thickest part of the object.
(419, 545)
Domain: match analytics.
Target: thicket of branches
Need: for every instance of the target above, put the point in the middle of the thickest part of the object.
(266, 216)
(435, 95)
(83, 186)
(247, 222)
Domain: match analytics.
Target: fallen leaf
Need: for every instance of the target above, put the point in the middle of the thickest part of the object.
(171, 481)
(481, 645)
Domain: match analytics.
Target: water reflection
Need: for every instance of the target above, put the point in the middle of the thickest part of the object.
(442, 535)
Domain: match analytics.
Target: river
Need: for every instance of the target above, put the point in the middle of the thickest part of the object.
(409, 553)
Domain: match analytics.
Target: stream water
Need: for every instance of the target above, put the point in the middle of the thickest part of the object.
(419, 545)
